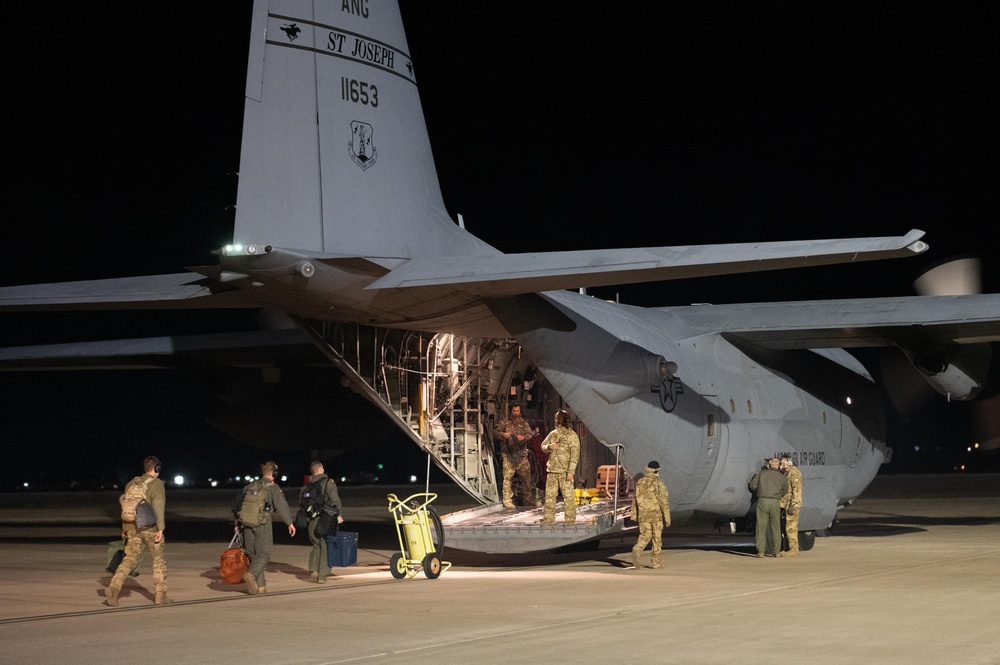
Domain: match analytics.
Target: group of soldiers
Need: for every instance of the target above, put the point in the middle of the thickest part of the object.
(563, 447)
(778, 487)
(257, 539)
(650, 508)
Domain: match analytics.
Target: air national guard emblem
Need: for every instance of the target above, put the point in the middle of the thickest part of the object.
(362, 150)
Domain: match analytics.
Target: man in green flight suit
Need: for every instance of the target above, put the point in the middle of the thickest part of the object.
(258, 539)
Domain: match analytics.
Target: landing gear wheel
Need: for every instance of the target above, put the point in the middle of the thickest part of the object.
(397, 566)
(806, 540)
(432, 566)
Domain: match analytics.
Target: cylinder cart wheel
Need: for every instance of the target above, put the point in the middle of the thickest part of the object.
(397, 566)
(432, 566)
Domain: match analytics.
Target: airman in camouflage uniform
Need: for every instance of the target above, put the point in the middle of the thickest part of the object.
(651, 509)
(142, 539)
(514, 433)
(791, 502)
(258, 540)
(563, 446)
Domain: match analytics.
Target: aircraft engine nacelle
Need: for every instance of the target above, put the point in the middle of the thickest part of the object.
(628, 371)
(957, 373)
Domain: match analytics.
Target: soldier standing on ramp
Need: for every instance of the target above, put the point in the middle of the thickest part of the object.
(514, 434)
(651, 509)
(563, 446)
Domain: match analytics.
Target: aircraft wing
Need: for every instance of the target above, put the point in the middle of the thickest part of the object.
(255, 348)
(497, 275)
(175, 291)
(863, 322)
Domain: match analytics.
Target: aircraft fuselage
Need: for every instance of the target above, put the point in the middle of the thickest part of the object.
(713, 421)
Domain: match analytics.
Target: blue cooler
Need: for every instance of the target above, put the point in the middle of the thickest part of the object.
(342, 549)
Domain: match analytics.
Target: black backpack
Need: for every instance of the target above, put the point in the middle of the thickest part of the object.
(313, 497)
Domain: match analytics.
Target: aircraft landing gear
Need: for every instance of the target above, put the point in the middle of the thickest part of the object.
(806, 540)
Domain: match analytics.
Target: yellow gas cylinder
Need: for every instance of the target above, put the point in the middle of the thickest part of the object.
(412, 529)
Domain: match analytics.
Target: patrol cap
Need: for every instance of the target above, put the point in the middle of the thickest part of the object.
(654, 465)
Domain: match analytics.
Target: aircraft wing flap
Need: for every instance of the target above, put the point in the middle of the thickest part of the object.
(867, 322)
(509, 274)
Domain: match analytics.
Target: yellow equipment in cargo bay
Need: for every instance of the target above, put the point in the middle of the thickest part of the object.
(413, 517)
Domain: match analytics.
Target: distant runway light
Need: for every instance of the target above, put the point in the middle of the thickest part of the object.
(215, 483)
(25, 485)
(849, 402)
(413, 479)
(178, 480)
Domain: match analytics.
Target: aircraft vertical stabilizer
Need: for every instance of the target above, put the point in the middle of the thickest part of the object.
(335, 157)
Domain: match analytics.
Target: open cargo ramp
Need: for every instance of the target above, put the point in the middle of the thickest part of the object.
(495, 530)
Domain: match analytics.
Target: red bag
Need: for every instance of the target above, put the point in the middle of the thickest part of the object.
(234, 562)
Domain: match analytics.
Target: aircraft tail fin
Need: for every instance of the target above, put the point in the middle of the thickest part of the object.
(335, 158)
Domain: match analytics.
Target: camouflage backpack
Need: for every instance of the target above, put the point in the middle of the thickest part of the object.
(135, 494)
(252, 511)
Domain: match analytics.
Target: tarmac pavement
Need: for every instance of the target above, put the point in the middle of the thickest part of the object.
(912, 575)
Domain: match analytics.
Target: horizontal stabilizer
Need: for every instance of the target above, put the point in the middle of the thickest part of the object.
(509, 274)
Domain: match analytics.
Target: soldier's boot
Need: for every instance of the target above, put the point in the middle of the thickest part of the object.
(635, 560)
(111, 595)
(509, 505)
(790, 553)
(262, 589)
(314, 576)
(251, 583)
(656, 564)
(163, 599)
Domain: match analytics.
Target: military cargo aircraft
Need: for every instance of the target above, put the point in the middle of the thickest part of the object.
(342, 235)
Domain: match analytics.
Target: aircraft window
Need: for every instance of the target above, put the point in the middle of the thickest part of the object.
(732, 406)
(749, 407)
(824, 417)
(710, 425)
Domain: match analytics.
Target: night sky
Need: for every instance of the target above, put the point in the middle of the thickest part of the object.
(554, 125)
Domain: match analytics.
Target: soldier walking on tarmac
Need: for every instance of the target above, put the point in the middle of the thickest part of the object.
(791, 502)
(261, 499)
(563, 446)
(651, 509)
(514, 434)
(149, 488)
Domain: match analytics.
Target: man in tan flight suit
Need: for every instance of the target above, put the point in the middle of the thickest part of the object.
(651, 509)
(791, 503)
(563, 446)
(150, 538)
(514, 434)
